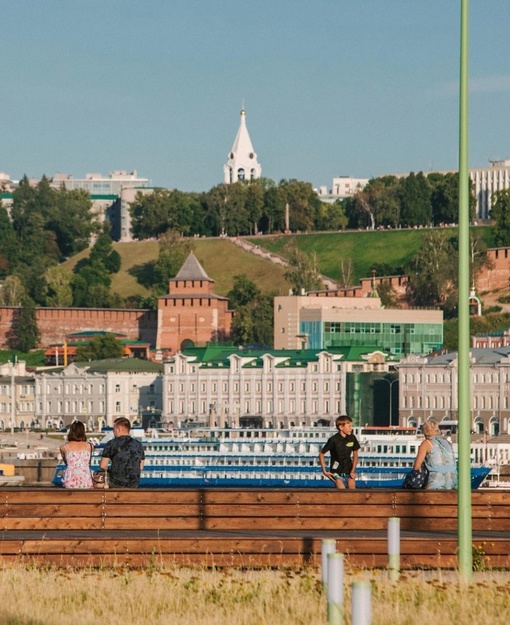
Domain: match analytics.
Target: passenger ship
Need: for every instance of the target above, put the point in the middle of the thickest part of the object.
(279, 458)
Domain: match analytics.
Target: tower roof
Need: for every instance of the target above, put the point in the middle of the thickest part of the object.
(242, 161)
(242, 143)
(192, 270)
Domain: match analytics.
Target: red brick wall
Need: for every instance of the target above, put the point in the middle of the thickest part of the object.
(397, 283)
(498, 274)
(56, 323)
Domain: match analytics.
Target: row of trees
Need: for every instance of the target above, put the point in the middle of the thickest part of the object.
(250, 207)
(414, 200)
(242, 208)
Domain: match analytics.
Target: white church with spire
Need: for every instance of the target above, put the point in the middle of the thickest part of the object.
(242, 161)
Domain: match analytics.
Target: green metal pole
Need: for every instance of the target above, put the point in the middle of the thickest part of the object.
(465, 530)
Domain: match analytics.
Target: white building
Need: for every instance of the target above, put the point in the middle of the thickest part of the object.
(342, 187)
(97, 184)
(428, 386)
(17, 396)
(486, 181)
(242, 161)
(274, 388)
(98, 393)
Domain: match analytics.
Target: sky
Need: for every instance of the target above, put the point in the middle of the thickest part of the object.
(331, 87)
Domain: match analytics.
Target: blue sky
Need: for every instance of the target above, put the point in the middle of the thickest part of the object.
(331, 87)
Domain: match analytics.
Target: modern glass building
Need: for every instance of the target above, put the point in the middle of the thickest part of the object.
(397, 338)
(328, 322)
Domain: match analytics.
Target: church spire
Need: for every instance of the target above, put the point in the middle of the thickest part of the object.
(242, 161)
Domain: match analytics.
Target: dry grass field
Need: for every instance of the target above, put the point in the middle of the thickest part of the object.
(245, 597)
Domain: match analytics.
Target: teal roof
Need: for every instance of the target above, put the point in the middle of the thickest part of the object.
(219, 355)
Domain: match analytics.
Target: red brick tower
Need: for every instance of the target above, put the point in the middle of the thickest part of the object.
(191, 312)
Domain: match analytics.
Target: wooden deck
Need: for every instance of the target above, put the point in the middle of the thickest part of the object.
(251, 527)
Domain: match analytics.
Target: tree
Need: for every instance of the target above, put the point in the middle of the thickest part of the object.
(100, 347)
(103, 254)
(155, 213)
(433, 274)
(303, 204)
(25, 334)
(361, 206)
(302, 272)
(72, 221)
(331, 216)
(243, 292)
(384, 198)
(12, 291)
(92, 279)
(415, 202)
(273, 215)
(445, 198)
(173, 251)
(500, 213)
(8, 251)
(254, 203)
(254, 321)
(58, 286)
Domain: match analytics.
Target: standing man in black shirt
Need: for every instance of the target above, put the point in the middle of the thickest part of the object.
(343, 447)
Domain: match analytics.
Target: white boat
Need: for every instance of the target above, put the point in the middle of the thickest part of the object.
(283, 458)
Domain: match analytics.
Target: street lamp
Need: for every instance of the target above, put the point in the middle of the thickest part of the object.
(391, 383)
(13, 389)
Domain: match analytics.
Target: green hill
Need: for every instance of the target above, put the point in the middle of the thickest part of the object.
(222, 260)
(392, 249)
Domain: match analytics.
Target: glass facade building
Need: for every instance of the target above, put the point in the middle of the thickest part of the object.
(400, 338)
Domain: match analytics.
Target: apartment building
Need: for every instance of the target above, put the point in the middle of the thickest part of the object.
(268, 388)
(428, 386)
(98, 393)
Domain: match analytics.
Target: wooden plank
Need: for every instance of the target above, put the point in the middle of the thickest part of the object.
(293, 523)
(52, 510)
(151, 510)
(51, 523)
(278, 510)
(51, 496)
(301, 497)
(150, 523)
(153, 496)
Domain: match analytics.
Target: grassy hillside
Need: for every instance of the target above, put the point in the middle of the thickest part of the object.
(393, 248)
(222, 260)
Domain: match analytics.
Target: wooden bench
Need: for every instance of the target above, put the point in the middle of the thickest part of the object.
(250, 527)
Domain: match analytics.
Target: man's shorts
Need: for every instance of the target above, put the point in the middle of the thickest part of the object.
(342, 476)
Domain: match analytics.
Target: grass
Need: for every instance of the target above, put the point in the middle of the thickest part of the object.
(393, 249)
(389, 250)
(246, 597)
(220, 258)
